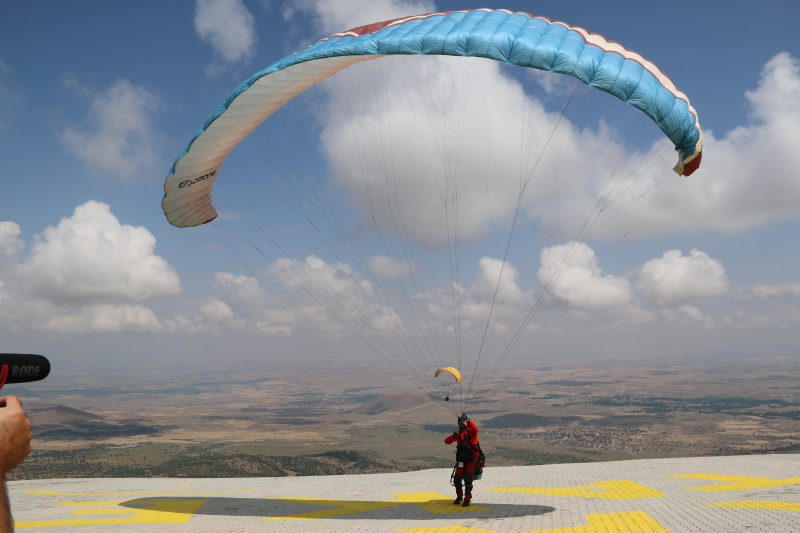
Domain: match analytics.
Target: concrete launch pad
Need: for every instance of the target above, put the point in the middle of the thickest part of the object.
(717, 494)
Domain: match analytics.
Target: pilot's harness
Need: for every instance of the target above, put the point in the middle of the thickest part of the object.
(474, 451)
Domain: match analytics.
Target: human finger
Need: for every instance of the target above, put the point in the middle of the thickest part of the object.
(11, 401)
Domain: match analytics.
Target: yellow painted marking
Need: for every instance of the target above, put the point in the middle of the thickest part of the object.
(752, 504)
(739, 482)
(156, 512)
(54, 493)
(115, 502)
(623, 489)
(631, 522)
(430, 501)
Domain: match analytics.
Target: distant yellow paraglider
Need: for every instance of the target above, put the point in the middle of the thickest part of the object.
(456, 373)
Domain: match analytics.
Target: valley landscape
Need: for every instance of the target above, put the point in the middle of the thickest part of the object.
(287, 422)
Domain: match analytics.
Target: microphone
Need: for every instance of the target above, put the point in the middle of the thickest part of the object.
(22, 368)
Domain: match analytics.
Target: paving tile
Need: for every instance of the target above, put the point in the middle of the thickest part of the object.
(715, 495)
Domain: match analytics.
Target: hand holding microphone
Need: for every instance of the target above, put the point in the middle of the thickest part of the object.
(15, 434)
(15, 428)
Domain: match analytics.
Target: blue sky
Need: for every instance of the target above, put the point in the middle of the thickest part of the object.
(98, 98)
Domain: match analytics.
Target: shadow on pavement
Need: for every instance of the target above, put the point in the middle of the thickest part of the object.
(307, 508)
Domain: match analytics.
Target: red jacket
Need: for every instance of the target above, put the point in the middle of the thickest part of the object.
(470, 434)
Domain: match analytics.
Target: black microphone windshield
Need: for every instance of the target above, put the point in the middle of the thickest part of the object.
(24, 367)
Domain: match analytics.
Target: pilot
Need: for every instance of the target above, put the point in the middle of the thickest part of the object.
(467, 453)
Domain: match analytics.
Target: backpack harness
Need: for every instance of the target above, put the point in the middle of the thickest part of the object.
(465, 452)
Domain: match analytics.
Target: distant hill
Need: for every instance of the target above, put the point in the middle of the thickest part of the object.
(394, 403)
(210, 465)
(60, 422)
(58, 414)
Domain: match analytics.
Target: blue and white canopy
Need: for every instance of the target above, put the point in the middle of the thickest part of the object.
(516, 38)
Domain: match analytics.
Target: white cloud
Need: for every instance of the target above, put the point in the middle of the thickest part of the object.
(71, 82)
(213, 315)
(502, 279)
(334, 17)
(92, 257)
(637, 315)
(239, 290)
(270, 329)
(772, 291)
(121, 141)
(334, 302)
(310, 293)
(675, 279)
(778, 95)
(748, 177)
(330, 295)
(229, 28)
(89, 273)
(573, 272)
(103, 319)
(10, 244)
(761, 320)
(469, 313)
(216, 310)
(424, 122)
(761, 305)
(389, 267)
(687, 314)
(503, 306)
(455, 168)
(242, 304)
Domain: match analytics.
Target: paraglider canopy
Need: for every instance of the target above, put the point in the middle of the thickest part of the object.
(515, 38)
(455, 372)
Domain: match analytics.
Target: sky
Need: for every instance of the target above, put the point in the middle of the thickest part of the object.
(98, 98)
